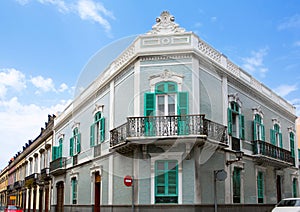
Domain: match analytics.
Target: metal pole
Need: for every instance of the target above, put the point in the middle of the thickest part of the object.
(215, 191)
(132, 193)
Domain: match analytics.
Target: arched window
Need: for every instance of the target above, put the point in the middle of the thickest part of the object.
(276, 135)
(97, 129)
(75, 146)
(258, 128)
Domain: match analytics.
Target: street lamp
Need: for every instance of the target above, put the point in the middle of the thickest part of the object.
(238, 155)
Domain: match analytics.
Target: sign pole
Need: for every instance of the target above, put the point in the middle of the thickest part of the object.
(215, 191)
(132, 193)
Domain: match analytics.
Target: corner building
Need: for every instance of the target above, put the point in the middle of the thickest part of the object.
(171, 111)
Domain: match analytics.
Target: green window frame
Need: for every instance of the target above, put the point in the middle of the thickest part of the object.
(258, 128)
(150, 106)
(74, 184)
(234, 111)
(166, 181)
(75, 142)
(260, 187)
(295, 185)
(97, 130)
(276, 136)
(236, 184)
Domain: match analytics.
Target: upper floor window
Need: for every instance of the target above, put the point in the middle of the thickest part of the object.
(236, 121)
(276, 135)
(97, 129)
(258, 128)
(166, 100)
(57, 150)
(75, 146)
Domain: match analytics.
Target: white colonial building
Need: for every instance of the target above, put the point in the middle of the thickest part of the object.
(174, 114)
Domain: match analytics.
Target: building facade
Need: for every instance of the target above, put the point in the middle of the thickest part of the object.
(174, 114)
(28, 179)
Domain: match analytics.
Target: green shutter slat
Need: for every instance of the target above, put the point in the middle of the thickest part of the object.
(92, 135)
(149, 104)
(54, 153)
(183, 103)
(78, 143)
(102, 129)
(71, 146)
(292, 144)
(242, 126)
(229, 127)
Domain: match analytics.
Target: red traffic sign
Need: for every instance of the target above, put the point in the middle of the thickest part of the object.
(128, 180)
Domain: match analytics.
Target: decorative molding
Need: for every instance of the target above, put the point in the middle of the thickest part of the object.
(166, 75)
(98, 108)
(75, 125)
(257, 110)
(234, 98)
(276, 121)
(166, 57)
(165, 25)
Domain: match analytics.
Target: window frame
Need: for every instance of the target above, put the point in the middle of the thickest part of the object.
(97, 129)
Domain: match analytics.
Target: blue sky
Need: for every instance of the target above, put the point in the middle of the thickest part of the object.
(45, 44)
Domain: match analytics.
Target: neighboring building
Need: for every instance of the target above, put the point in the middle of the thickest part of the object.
(170, 111)
(28, 179)
(3, 186)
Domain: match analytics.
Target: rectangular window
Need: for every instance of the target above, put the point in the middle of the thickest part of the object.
(97, 130)
(74, 191)
(236, 185)
(75, 146)
(166, 182)
(260, 187)
(295, 185)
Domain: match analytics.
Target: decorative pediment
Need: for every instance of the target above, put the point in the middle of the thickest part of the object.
(258, 110)
(98, 108)
(165, 25)
(235, 98)
(166, 75)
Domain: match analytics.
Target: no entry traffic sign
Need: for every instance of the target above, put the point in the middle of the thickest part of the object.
(128, 180)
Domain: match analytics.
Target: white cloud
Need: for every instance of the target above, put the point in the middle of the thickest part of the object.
(213, 19)
(11, 78)
(254, 64)
(297, 43)
(22, 122)
(296, 103)
(63, 87)
(43, 84)
(86, 9)
(284, 90)
(290, 22)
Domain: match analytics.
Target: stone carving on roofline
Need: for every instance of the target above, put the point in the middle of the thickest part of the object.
(165, 25)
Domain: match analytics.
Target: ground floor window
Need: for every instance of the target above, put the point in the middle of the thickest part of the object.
(166, 181)
(260, 187)
(236, 185)
(295, 185)
(74, 190)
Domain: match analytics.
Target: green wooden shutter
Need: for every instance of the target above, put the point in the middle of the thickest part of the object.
(295, 193)
(54, 152)
(102, 129)
(255, 131)
(280, 140)
(149, 104)
(263, 137)
(78, 142)
(292, 144)
(92, 135)
(183, 103)
(236, 185)
(272, 137)
(229, 127)
(71, 146)
(242, 126)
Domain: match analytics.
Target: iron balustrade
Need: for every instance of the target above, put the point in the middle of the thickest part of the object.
(270, 150)
(163, 126)
(59, 163)
(33, 176)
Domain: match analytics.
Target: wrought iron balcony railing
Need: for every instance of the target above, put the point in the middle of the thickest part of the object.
(168, 126)
(33, 176)
(262, 148)
(58, 164)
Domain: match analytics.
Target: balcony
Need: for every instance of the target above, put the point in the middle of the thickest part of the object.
(269, 154)
(31, 180)
(166, 129)
(58, 166)
(45, 174)
(18, 184)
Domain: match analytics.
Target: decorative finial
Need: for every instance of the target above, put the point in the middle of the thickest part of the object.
(165, 25)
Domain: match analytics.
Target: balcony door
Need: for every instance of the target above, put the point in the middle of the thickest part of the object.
(97, 192)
